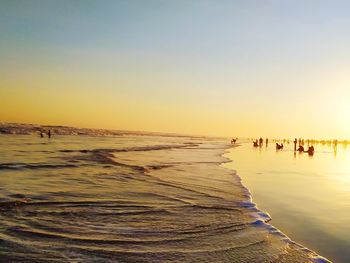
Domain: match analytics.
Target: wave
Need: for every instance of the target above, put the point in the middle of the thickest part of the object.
(21, 166)
(157, 203)
(135, 149)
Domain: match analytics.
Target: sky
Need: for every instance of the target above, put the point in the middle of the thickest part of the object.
(275, 68)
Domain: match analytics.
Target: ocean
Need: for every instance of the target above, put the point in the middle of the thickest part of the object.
(131, 198)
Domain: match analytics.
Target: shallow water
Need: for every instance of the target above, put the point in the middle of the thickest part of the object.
(308, 197)
(130, 198)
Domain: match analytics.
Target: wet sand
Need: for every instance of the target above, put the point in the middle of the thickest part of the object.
(306, 196)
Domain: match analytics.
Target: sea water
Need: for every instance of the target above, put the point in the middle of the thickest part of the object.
(308, 197)
(130, 198)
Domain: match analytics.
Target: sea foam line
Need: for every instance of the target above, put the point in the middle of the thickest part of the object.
(262, 217)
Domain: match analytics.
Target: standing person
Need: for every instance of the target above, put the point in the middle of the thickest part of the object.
(261, 141)
(295, 144)
(49, 134)
(267, 141)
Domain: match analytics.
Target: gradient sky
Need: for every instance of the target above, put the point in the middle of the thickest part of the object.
(232, 68)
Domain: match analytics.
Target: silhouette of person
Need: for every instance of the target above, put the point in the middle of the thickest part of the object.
(279, 146)
(261, 141)
(49, 134)
(267, 141)
(295, 144)
(311, 150)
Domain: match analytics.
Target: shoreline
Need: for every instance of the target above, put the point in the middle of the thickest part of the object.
(203, 210)
(264, 218)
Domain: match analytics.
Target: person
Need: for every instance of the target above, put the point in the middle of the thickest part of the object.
(295, 144)
(311, 150)
(301, 148)
(261, 141)
(41, 135)
(267, 141)
(279, 146)
(49, 134)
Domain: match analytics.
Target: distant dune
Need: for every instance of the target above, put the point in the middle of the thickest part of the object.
(27, 129)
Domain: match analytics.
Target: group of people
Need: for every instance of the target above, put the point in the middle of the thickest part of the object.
(301, 148)
(279, 146)
(48, 134)
(260, 142)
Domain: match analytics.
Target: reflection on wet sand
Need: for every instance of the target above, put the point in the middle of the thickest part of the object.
(306, 195)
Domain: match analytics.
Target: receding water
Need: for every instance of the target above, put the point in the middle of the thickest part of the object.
(308, 197)
(130, 199)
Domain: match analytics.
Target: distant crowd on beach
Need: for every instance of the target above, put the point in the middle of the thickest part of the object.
(299, 144)
(280, 146)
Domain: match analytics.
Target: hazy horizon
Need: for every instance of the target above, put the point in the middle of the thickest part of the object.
(279, 138)
(219, 68)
